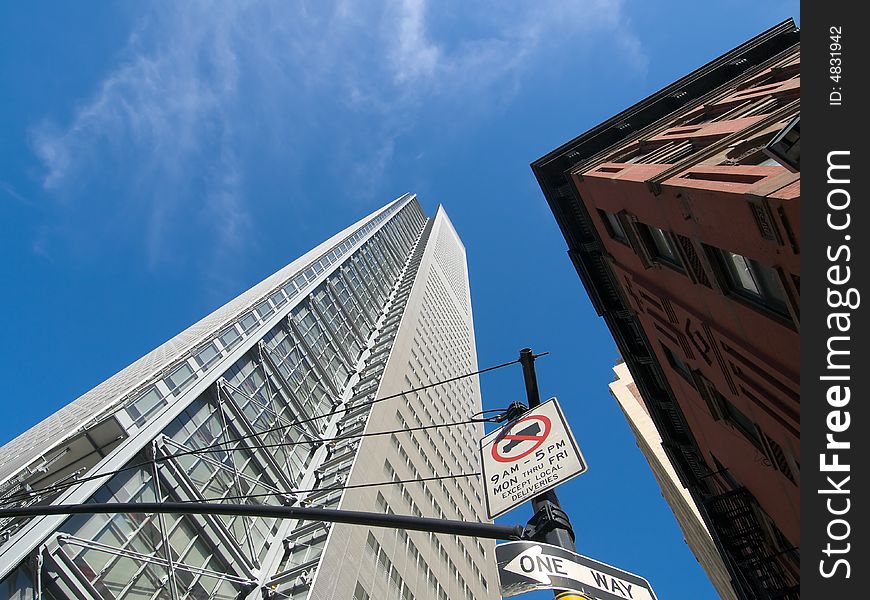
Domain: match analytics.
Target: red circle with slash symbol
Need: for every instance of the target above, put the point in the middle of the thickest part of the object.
(528, 433)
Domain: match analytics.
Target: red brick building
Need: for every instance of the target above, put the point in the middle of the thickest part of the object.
(685, 232)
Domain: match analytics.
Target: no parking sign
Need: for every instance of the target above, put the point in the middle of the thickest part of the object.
(533, 428)
(527, 457)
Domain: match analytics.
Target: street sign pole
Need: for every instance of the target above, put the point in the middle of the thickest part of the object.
(271, 511)
(550, 522)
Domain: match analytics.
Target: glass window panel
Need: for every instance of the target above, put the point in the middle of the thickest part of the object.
(197, 554)
(180, 377)
(278, 298)
(360, 593)
(207, 355)
(662, 244)
(224, 590)
(122, 572)
(230, 337)
(265, 309)
(739, 268)
(184, 579)
(180, 537)
(615, 227)
(145, 405)
(18, 585)
(758, 282)
(769, 282)
(153, 578)
(248, 321)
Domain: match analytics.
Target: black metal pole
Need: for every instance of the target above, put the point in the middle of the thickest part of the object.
(556, 528)
(353, 517)
(527, 360)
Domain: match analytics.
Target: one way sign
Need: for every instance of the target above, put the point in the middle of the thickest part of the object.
(528, 566)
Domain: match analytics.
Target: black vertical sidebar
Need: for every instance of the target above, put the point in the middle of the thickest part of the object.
(835, 359)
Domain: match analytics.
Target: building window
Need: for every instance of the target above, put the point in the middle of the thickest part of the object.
(145, 405)
(613, 226)
(785, 147)
(660, 246)
(360, 593)
(722, 408)
(678, 364)
(750, 279)
(180, 378)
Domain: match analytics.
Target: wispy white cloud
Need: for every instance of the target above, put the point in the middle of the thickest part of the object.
(160, 109)
(413, 55)
(8, 190)
(202, 89)
(504, 39)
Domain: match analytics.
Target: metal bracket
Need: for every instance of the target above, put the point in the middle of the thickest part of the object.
(548, 518)
(513, 412)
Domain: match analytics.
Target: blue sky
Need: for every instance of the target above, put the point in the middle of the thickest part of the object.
(158, 158)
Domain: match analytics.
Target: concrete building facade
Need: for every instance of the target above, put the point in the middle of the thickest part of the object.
(265, 401)
(683, 224)
(688, 516)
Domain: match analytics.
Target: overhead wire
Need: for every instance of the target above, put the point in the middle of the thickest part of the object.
(209, 449)
(344, 408)
(338, 488)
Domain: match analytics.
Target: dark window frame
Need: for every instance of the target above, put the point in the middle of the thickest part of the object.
(758, 285)
(669, 256)
(611, 221)
(740, 421)
(678, 365)
(722, 409)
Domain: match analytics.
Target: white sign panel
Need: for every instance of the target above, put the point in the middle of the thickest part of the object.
(527, 457)
(528, 566)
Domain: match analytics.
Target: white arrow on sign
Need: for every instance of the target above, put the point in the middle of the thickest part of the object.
(534, 564)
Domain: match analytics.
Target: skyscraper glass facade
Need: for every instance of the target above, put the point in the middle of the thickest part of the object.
(244, 407)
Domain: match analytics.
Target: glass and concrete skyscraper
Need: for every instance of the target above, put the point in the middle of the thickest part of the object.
(244, 407)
